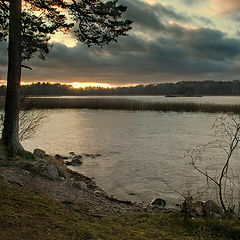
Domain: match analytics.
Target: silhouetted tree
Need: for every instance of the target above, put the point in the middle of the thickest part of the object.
(27, 24)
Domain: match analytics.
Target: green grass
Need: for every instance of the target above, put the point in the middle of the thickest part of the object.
(29, 215)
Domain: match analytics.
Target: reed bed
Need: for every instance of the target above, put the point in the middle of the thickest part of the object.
(130, 105)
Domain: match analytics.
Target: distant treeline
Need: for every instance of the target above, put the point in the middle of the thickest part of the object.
(184, 88)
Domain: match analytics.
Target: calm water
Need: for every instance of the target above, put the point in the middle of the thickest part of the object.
(138, 149)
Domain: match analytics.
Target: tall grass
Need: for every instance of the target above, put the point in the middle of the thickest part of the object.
(130, 105)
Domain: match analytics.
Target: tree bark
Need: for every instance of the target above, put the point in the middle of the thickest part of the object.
(10, 134)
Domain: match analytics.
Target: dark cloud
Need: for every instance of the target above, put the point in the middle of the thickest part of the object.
(191, 2)
(151, 16)
(156, 51)
(203, 20)
(143, 15)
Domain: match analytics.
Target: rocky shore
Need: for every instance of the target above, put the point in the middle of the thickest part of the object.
(40, 198)
(48, 175)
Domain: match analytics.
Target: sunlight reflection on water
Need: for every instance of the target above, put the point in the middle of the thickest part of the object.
(137, 149)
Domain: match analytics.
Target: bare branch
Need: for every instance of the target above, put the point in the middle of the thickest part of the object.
(24, 66)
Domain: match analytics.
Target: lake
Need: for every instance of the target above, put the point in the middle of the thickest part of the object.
(140, 151)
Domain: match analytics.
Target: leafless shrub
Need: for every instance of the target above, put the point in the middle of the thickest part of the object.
(227, 136)
(29, 120)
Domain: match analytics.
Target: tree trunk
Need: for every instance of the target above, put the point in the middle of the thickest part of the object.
(10, 134)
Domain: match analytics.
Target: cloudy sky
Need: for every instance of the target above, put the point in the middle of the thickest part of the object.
(171, 40)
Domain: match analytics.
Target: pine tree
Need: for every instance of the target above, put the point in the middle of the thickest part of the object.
(28, 26)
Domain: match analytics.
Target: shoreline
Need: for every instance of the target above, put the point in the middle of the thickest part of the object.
(48, 176)
(41, 199)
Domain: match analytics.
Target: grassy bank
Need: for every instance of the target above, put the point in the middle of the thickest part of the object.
(29, 215)
(132, 105)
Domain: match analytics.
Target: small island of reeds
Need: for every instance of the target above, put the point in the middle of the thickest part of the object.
(129, 105)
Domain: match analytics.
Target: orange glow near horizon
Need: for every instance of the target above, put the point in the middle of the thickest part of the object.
(89, 84)
(76, 85)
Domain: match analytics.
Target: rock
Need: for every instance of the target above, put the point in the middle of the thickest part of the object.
(76, 161)
(39, 153)
(47, 169)
(80, 185)
(52, 171)
(90, 155)
(57, 156)
(77, 156)
(68, 163)
(192, 208)
(211, 208)
(158, 202)
(15, 182)
(132, 194)
(97, 193)
(156, 208)
(198, 207)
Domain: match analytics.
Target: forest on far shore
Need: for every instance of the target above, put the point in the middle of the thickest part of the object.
(183, 88)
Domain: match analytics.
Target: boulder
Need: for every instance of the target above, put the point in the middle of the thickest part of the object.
(158, 202)
(68, 163)
(80, 185)
(192, 208)
(198, 207)
(52, 171)
(211, 208)
(57, 156)
(76, 161)
(39, 153)
(155, 208)
(72, 154)
(77, 156)
(47, 169)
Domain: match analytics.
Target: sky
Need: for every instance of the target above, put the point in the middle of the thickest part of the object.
(171, 40)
